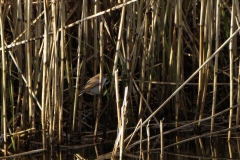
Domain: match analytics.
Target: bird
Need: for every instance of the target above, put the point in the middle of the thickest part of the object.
(92, 85)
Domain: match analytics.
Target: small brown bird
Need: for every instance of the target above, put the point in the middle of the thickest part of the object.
(92, 86)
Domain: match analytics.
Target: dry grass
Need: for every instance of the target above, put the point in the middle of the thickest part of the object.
(171, 61)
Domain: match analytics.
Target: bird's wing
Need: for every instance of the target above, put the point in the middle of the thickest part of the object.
(92, 82)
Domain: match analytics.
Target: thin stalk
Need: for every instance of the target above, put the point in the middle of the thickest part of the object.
(19, 58)
(141, 155)
(124, 120)
(144, 56)
(95, 64)
(148, 140)
(200, 83)
(62, 48)
(100, 83)
(117, 100)
(214, 153)
(178, 69)
(118, 45)
(140, 12)
(45, 51)
(55, 68)
(238, 76)
(29, 61)
(95, 39)
(161, 141)
(80, 26)
(80, 108)
(238, 110)
(164, 49)
(4, 83)
(231, 78)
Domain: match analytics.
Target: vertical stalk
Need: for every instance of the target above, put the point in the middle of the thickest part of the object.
(29, 61)
(231, 77)
(238, 110)
(208, 34)
(95, 39)
(4, 83)
(62, 48)
(118, 45)
(45, 51)
(143, 58)
(200, 76)
(140, 10)
(238, 90)
(151, 49)
(161, 141)
(80, 26)
(101, 44)
(164, 51)
(215, 70)
(81, 48)
(148, 140)
(200, 58)
(36, 54)
(141, 155)
(55, 68)
(84, 48)
(18, 28)
(117, 100)
(123, 118)
(178, 69)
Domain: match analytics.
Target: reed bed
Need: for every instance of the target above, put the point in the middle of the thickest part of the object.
(172, 68)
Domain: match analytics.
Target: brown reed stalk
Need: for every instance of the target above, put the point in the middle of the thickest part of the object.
(4, 83)
(155, 45)
(231, 53)
(44, 79)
